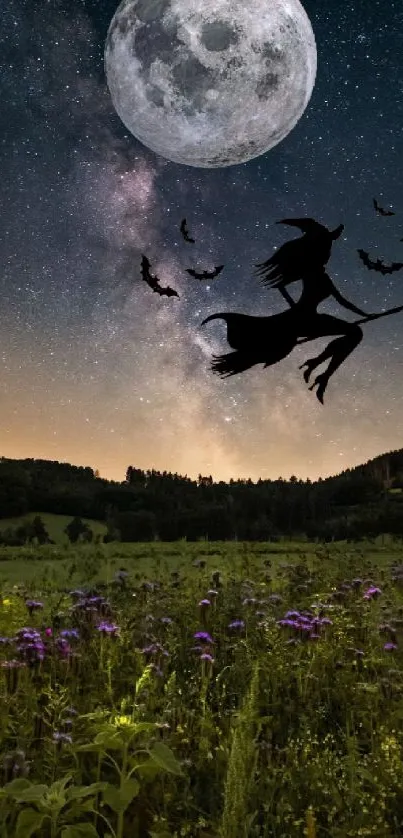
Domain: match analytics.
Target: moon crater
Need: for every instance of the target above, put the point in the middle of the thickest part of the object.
(210, 82)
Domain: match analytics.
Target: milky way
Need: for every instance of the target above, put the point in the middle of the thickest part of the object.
(97, 370)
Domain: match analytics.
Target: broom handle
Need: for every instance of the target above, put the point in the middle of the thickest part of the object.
(358, 322)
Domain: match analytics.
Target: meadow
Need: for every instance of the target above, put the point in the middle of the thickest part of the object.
(208, 690)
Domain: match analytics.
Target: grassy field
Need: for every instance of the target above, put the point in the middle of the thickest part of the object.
(209, 691)
(55, 525)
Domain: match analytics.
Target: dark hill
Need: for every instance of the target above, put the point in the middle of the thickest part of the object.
(362, 501)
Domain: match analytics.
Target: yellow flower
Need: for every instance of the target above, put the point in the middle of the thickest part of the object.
(6, 603)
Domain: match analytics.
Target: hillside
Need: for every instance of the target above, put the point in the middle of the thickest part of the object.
(54, 524)
(366, 500)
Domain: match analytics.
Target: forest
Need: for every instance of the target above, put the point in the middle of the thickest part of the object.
(151, 505)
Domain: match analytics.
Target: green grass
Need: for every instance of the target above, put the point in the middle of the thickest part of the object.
(275, 734)
(55, 524)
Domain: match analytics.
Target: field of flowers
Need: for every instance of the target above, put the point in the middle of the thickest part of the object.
(253, 694)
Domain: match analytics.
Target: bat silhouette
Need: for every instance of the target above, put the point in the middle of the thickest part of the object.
(378, 265)
(380, 209)
(153, 281)
(185, 232)
(205, 274)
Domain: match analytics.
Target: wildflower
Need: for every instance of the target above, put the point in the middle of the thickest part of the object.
(249, 601)
(33, 605)
(70, 634)
(372, 592)
(6, 603)
(30, 645)
(15, 765)
(155, 649)
(61, 738)
(275, 598)
(166, 620)
(63, 646)
(48, 632)
(237, 624)
(204, 603)
(356, 583)
(108, 628)
(203, 636)
(390, 647)
(212, 593)
(5, 640)
(206, 657)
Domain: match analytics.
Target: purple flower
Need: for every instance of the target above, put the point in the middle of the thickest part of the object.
(372, 592)
(206, 657)
(63, 646)
(356, 583)
(203, 636)
(204, 603)
(237, 624)
(70, 634)
(62, 737)
(155, 649)
(108, 628)
(390, 647)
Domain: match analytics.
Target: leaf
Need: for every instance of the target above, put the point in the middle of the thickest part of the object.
(78, 792)
(143, 727)
(148, 770)
(109, 740)
(28, 822)
(32, 794)
(80, 830)
(165, 758)
(118, 799)
(91, 746)
(17, 785)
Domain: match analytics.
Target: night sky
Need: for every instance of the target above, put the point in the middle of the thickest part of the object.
(97, 370)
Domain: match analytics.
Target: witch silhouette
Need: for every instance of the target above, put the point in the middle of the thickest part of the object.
(267, 340)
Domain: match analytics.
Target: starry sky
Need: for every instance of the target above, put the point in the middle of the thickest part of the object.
(97, 370)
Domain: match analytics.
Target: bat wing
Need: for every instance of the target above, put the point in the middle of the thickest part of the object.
(191, 272)
(217, 270)
(364, 256)
(391, 269)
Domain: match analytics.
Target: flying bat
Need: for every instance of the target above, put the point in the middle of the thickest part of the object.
(185, 232)
(205, 274)
(380, 209)
(153, 281)
(378, 265)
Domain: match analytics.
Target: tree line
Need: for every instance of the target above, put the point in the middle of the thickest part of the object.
(149, 505)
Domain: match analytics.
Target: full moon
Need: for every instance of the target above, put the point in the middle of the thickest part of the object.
(210, 83)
